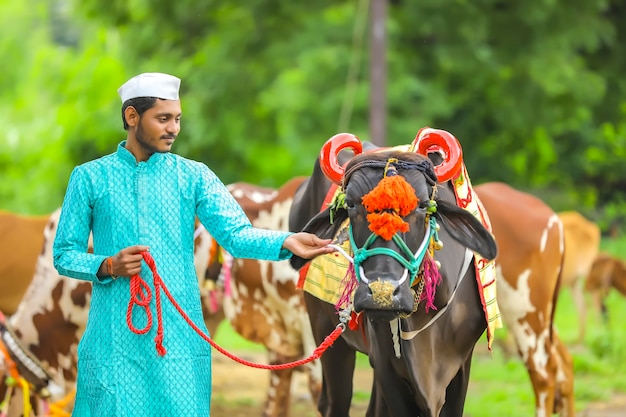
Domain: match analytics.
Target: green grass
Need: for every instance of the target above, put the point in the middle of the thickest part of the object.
(616, 247)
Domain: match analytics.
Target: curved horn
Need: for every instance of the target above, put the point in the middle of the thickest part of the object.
(330, 151)
(430, 140)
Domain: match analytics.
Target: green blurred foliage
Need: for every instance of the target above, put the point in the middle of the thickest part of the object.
(534, 90)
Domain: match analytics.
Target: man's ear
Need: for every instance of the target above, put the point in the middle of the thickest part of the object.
(131, 116)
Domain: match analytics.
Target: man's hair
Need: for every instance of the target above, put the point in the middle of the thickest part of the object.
(141, 104)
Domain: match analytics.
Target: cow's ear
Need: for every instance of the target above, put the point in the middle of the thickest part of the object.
(466, 229)
(320, 225)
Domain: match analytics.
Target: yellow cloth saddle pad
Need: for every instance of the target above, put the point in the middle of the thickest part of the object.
(326, 273)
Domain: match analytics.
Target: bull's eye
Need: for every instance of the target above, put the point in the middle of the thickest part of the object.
(349, 204)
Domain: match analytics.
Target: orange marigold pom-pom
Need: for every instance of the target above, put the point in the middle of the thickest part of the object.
(386, 224)
(391, 193)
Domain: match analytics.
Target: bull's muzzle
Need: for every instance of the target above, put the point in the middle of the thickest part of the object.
(383, 299)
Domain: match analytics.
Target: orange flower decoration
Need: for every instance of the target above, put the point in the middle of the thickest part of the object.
(386, 225)
(392, 199)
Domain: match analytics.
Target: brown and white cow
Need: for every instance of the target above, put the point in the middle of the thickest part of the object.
(530, 258)
(51, 318)
(21, 238)
(582, 244)
(606, 272)
(263, 303)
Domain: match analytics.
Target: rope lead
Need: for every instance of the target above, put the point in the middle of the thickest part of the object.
(141, 295)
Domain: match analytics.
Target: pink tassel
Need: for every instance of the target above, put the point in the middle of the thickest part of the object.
(214, 305)
(349, 284)
(432, 278)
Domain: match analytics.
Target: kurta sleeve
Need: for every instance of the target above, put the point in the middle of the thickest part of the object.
(72, 238)
(226, 221)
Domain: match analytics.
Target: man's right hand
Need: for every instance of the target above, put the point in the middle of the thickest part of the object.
(127, 262)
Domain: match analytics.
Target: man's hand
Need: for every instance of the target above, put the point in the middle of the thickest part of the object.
(307, 245)
(126, 262)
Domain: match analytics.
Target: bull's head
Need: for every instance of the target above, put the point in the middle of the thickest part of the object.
(391, 199)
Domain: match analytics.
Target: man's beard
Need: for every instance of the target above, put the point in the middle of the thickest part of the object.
(140, 136)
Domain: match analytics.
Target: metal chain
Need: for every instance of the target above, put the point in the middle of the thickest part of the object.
(417, 295)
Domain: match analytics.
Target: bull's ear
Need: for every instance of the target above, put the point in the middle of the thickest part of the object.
(466, 229)
(320, 225)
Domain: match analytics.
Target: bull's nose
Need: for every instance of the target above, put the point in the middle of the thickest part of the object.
(383, 295)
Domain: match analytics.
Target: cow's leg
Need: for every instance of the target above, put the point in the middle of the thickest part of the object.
(338, 365)
(279, 390)
(338, 361)
(598, 283)
(542, 368)
(315, 382)
(528, 315)
(278, 400)
(538, 354)
(377, 406)
(456, 392)
(313, 369)
(579, 301)
(564, 401)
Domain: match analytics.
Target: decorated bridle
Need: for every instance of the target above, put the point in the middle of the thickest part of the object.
(394, 198)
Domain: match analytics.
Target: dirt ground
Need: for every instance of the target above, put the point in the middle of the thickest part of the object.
(239, 391)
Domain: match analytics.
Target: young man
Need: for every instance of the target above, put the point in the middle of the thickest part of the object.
(144, 198)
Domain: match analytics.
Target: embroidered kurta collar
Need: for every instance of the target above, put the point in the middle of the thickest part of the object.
(125, 155)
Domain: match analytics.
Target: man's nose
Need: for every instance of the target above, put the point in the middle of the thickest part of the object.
(173, 126)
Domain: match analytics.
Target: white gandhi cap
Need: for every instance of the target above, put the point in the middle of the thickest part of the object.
(150, 84)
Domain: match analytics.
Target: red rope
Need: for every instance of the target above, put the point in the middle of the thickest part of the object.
(141, 295)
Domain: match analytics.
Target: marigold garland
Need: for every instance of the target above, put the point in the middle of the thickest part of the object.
(392, 199)
(386, 224)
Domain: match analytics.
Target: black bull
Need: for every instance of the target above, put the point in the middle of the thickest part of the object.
(427, 375)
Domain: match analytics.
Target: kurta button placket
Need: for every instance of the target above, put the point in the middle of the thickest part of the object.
(143, 199)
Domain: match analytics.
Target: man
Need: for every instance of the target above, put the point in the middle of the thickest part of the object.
(143, 198)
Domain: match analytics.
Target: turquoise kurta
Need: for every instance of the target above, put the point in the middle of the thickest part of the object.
(151, 203)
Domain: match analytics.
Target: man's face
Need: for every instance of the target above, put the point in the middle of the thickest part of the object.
(159, 126)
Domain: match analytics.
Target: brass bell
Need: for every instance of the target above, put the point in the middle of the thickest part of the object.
(44, 393)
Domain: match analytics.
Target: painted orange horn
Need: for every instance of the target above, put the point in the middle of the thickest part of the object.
(429, 140)
(330, 151)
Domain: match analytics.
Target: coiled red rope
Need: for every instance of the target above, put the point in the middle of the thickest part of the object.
(141, 295)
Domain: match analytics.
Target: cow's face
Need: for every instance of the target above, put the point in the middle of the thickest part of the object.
(388, 204)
